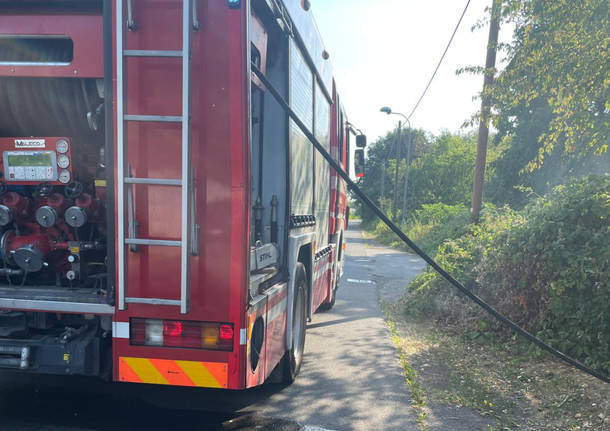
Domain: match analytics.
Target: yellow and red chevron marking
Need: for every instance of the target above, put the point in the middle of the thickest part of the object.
(176, 373)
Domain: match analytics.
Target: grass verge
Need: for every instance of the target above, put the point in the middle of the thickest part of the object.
(508, 382)
(417, 392)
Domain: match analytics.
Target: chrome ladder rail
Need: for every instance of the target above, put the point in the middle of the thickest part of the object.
(124, 180)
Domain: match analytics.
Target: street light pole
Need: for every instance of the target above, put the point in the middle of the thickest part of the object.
(389, 111)
(382, 182)
(404, 194)
(398, 145)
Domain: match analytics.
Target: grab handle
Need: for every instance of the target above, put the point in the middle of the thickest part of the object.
(196, 25)
(131, 24)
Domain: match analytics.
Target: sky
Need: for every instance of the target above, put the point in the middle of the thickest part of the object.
(384, 52)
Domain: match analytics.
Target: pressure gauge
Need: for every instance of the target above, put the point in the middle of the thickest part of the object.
(63, 161)
(64, 176)
(62, 146)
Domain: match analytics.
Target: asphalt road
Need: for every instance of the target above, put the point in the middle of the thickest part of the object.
(351, 377)
(350, 380)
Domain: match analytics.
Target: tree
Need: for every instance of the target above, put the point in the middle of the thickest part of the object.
(518, 142)
(558, 58)
(441, 171)
(382, 153)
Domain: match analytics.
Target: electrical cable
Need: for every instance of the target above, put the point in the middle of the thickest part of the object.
(365, 199)
(440, 61)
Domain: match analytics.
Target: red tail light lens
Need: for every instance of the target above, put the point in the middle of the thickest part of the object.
(226, 337)
(179, 333)
(182, 334)
(226, 332)
(172, 329)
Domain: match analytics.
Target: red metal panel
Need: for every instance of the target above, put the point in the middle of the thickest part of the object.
(219, 145)
(275, 334)
(321, 282)
(84, 30)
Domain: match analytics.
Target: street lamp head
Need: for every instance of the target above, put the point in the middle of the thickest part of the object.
(386, 109)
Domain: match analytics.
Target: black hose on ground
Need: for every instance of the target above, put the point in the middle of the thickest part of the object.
(365, 199)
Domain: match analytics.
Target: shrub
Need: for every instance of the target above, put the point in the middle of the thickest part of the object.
(434, 224)
(546, 267)
(428, 227)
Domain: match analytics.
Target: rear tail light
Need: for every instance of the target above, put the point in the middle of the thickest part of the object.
(225, 336)
(178, 333)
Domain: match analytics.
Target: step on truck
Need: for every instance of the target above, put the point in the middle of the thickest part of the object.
(162, 218)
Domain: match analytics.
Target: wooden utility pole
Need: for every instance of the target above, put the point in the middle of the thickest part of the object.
(490, 67)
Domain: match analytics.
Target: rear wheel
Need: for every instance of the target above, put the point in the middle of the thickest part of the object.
(294, 357)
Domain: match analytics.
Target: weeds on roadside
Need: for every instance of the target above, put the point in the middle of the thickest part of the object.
(417, 392)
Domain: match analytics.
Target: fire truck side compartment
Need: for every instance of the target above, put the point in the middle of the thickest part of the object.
(54, 105)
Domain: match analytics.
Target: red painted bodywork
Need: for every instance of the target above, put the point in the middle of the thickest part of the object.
(85, 30)
(322, 280)
(338, 188)
(220, 121)
(220, 160)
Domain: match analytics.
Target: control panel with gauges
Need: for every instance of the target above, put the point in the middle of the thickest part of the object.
(27, 161)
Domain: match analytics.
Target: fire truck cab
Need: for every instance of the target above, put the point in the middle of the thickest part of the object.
(162, 218)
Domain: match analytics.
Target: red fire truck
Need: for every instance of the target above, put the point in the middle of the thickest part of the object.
(163, 219)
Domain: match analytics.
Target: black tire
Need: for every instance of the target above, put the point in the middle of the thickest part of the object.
(294, 357)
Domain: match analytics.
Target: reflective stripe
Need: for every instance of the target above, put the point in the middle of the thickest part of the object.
(145, 370)
(120, 329)
(176, 373)
(322, 270)
(206, 374)
(277, 310)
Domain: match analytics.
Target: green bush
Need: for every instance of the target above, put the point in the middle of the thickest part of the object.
(546, 267)
(461, 257)
(428, 227)
(434, 224)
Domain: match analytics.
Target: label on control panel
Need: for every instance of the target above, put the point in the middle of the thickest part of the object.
(30, 143)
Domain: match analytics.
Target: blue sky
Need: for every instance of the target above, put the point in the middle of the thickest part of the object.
(384, 51)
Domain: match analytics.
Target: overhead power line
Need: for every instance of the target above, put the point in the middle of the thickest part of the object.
(440, 61)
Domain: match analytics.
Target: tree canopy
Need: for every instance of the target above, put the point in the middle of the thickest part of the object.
(558, 67)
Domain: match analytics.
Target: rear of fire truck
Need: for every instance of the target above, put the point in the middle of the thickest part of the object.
(162, 220)
(123, 191)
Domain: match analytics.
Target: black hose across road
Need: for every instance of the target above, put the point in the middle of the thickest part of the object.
(365, 199)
